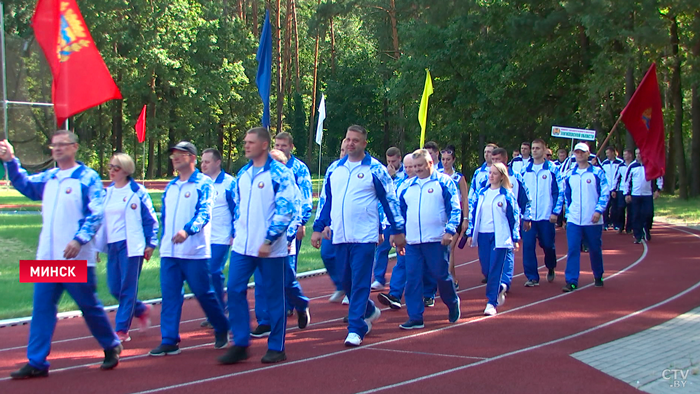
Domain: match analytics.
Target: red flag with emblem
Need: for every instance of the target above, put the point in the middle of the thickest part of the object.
(141, 126)
(81, 79)
(645, 121)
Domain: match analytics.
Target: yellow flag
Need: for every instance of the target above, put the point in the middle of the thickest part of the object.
(423, 111)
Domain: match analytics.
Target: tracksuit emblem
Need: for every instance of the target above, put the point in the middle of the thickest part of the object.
(133, 206)
(187, 195)
(261, 185)
(68, 190)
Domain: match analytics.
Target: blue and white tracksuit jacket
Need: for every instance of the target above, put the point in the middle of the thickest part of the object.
(222, 210)
(302, 178)
(518, 164)
(456, 177)
(506, 218)
(521, 193)
(543, 188)
(358, 192)
(480, 179)
(296, 222)
(264, 208)
(585, 194)
(140, 220)
(187, 207)
(431, 210)
(71, 208)
(636, 184)
(610, 167)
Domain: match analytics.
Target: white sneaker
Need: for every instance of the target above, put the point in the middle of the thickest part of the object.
(502, 294)
(337, 297)
(376, 286)
(374, 316)
(346, 300)
(353, 340)
(490, 310)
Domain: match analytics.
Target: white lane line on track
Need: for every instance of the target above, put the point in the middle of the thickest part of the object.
(201, 318)
(427, 354)
(376, 344)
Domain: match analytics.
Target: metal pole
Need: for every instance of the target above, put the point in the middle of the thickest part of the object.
(4, 69)
(143, 165)
(320, 185)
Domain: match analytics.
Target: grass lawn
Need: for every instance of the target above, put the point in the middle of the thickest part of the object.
(675, 210)
(20, 235)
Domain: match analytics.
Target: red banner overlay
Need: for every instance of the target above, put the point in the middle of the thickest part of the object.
(53, 271)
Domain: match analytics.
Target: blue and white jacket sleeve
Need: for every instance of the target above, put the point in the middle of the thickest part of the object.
(524, 198)
(452, 204)
(513, 212)
(558, 206)
(236, 198)
(323, 210)
(473, 203)
(284, 201)
(149, 220)
(386, 193)
(93, 197)
(304, 183)
(296, 221)
(202, 215)
(31, 186)
(232, 204)
(604, 191)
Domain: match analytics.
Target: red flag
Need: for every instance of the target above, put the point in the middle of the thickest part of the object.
(80, 77)
(645, 121)
(141, 126)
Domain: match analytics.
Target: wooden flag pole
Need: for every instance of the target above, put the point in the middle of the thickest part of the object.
(608, 137)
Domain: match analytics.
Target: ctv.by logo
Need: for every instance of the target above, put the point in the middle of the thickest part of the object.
(676, 377)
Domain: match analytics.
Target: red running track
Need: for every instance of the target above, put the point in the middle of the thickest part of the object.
(526, 348)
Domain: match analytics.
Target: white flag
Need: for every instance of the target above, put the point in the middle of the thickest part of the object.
(321, 118)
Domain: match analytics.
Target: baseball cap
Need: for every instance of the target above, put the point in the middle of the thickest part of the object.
(582, 146)
(184, 146)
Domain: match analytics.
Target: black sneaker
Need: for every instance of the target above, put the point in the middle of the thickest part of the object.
(551, 275)
(304, 317)
(235, 354)
(484, 280)
(111, 358)
(221, 340)
(163, 350)
(598, 282)
(389, 300)
(584, 249)
(637, 241)
(28, 372)
(429, 302)
(273, 356)
(569, 288)
(206, 324)
(261, 331)
(455, 312)
(346, 319)
(647, 235)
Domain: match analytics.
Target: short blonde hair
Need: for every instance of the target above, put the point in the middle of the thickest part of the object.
(503, 170)
(125, 162)
(423, 153)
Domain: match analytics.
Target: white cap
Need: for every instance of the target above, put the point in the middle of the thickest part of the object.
(582, 146)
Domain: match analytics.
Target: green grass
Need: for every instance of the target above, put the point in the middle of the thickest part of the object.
(675, 210)
(20, 235)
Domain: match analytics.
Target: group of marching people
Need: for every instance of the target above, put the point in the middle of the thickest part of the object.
(418, 204)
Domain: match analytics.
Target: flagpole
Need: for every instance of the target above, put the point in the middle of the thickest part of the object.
(143, 165)
(319, 171)
(609, 135)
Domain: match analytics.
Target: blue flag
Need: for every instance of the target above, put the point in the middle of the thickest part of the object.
(263, 78)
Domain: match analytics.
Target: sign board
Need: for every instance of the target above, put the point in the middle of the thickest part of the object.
(578, 134)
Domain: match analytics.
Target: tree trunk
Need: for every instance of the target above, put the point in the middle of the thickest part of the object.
(255, 19)
(151, 144)
(629, 91)
(677, 92)
(296, 41)
(287, 49)
(394, 30)
(313, 98)
(332, 27)
(101, 142)
(159, 157)
(695, 115)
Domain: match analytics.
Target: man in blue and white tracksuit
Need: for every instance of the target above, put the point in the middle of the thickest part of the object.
(72, 205)
(640, 194)
(353, 188)
(479, 181)
(540, 178)
(185, 250)
(264, 195)
(430, 204)
(623, 221)
(519, 163)
(586, 192)
(221, 222)
(610, 166)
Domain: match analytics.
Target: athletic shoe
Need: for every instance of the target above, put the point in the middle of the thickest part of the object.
(234, 354)
(584, 249)
(28, 372)
(551, 275)
(617, 229)
(389, 300)
(221, 340)
(428, 302)
(261, 331)
(484, 280)
(346, 300)
(532, 283)
(304, 318)
(637, 241)
(490, 310)
(502, 295)
(145, 318)
(206, 324)
(111, 358)
(374, 316)
(376, 286)
(273, 356)
(353, 340)
(456, 282)
(346, 319)
(569, 288)
(598, 282)
(123, 336)
(163, 350)
(455, 312)
(411, 325)
(337, 297)
(605, 228)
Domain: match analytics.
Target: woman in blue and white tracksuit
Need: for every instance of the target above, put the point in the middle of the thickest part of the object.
(495, 223)
(128, 235)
